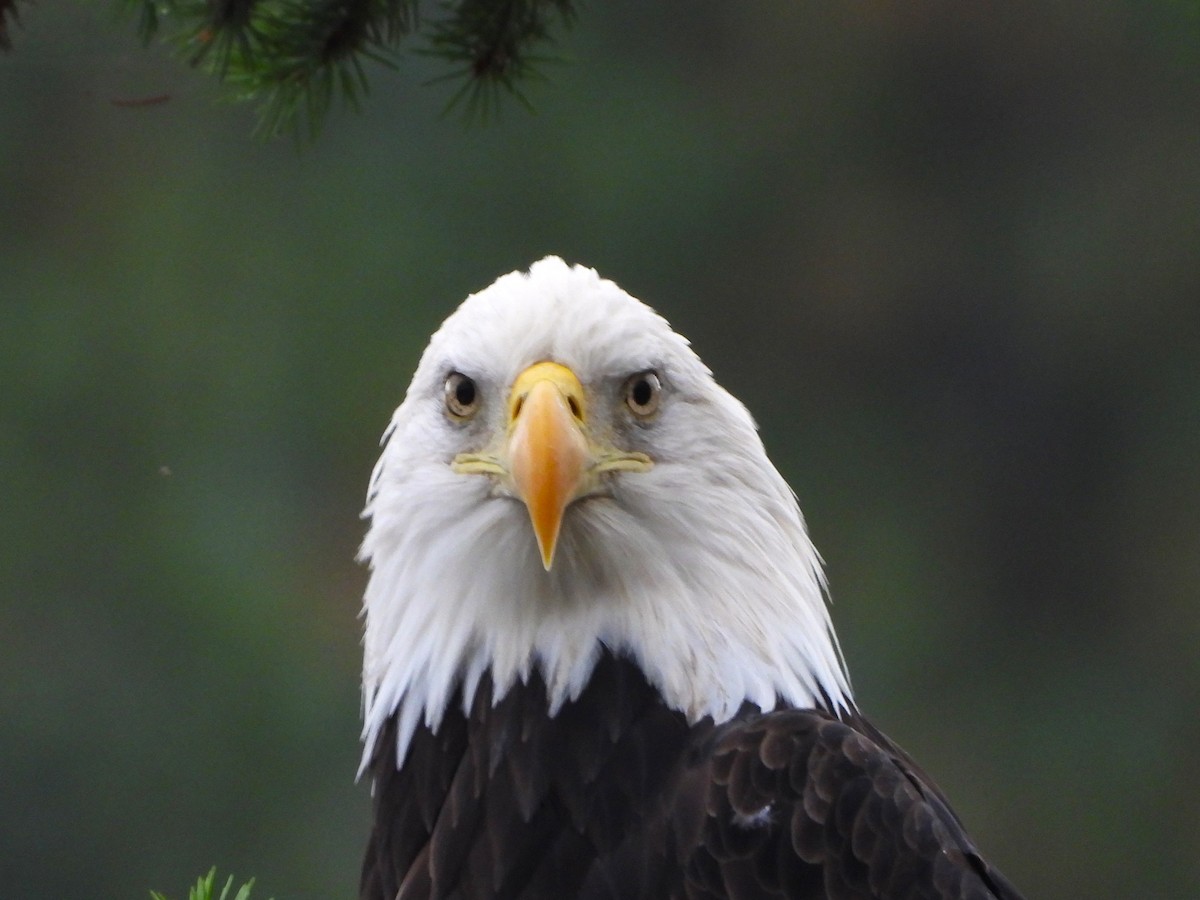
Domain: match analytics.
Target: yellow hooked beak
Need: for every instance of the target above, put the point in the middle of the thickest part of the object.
(548, 459)
(548, 454)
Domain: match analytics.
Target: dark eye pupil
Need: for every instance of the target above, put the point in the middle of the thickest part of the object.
(642, 392)
(464, 392)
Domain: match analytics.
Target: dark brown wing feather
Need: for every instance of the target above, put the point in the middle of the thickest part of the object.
(802, 804)
(617, 797)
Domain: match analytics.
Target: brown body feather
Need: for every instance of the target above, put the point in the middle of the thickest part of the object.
(618, 797)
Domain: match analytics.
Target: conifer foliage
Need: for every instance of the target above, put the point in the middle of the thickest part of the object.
(295, 57)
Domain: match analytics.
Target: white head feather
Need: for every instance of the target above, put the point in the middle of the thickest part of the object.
(700, 569)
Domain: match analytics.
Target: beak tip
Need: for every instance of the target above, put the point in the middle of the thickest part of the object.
(546, 551)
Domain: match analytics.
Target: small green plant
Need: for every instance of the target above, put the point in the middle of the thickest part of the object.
(205, 886)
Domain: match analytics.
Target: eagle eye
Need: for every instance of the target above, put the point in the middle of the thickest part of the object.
(642, 393)
(462, 397)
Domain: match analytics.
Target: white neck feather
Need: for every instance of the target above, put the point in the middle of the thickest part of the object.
(700, 570)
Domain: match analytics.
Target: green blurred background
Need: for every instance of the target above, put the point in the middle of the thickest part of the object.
(948, 253)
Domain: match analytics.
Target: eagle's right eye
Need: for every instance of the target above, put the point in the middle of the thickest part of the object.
(462, 397)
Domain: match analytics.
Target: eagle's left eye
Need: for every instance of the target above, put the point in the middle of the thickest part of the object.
(462, 396)
(642, 392)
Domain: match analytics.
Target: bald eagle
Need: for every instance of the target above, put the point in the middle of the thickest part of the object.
(598, 661)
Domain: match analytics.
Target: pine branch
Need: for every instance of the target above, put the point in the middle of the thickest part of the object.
(295, 57)
(492, 43)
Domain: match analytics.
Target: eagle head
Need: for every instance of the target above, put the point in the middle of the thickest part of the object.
(564, 476)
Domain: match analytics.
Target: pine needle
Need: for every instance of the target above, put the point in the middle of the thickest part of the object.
(296, 58)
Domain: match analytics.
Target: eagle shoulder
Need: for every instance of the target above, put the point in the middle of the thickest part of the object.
(803, 804)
